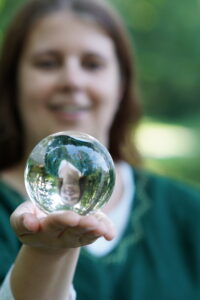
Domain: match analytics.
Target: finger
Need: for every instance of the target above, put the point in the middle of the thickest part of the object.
(24, 223)
(31, 223)
(60, 221)
(89, 223)
(98, 225)
(109, 231)
(86, 239)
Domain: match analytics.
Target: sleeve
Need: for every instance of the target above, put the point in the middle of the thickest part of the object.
(6, 293)
(5, 289)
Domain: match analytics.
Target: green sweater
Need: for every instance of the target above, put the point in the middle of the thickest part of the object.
(158, 257)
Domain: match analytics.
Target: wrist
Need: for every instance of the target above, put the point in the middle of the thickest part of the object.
(49, 252)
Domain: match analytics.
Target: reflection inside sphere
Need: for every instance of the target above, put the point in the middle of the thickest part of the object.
(69, 171)
(70, 182)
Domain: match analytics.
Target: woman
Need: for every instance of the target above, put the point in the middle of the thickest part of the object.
(67, 65)
(70, 186)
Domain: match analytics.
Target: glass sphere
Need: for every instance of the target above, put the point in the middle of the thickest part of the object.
(69, 171)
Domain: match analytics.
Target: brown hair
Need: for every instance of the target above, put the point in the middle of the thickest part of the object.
(128, 114)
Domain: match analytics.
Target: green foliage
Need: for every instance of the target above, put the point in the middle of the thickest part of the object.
(7, 10)
(2, 4)
(167, 45)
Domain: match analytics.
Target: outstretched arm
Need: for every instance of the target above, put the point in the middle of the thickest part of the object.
(46, 263)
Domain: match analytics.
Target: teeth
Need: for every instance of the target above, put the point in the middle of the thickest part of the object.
(70, 109)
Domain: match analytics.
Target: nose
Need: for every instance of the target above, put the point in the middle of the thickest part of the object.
(71, 76)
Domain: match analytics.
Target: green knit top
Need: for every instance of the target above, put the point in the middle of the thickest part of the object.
(157, 258)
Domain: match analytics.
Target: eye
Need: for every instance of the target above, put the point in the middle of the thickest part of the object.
(47, 63)
(93, 63)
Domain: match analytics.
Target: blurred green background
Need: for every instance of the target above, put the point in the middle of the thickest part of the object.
(166, 43)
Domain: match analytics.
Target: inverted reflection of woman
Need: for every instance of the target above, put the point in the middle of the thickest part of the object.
(70, 191)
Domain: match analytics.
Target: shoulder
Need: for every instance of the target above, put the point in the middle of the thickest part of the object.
(164, 192)
(172, 208)
(156, 182)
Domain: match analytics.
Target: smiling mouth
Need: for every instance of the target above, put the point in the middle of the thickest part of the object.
(69, 111)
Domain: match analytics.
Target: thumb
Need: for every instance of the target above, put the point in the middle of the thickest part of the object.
(23, 219)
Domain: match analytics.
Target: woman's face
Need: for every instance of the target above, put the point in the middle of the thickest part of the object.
(69, 79)
(70, 193)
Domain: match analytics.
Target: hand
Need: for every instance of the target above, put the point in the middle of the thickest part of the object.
(60, 230)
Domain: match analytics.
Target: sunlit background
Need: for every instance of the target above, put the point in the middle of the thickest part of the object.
(171, 149)
(166, 44)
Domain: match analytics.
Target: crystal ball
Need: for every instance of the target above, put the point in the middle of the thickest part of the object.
(69, 171)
